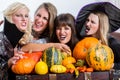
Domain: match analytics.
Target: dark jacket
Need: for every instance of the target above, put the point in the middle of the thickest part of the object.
(115, 46)
(6, 51)
(8, 40)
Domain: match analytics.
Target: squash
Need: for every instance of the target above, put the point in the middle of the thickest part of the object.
(100, 57)
(26, 65)
(23, 66)
(52, 56)
(81, 49)
(33, 55)
(58, 69)
(68, 60)
(41, 68)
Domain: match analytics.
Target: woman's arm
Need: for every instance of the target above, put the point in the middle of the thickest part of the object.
(42, 47)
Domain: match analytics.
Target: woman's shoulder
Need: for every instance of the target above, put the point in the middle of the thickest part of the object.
(114, 38)
(115, 35)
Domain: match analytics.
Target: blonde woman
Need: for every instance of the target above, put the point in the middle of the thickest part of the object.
(97, 25)
(16, 23)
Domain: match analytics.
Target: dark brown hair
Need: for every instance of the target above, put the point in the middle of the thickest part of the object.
(63, 20)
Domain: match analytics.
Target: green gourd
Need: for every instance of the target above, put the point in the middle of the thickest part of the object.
(52, 56)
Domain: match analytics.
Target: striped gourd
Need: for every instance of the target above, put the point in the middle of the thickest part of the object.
(52, 56)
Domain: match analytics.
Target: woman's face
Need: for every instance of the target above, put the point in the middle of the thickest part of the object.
(63, 34)
(40, 20)
(21, 19)
(92, 24)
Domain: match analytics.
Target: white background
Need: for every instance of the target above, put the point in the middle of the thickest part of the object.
(63, 6)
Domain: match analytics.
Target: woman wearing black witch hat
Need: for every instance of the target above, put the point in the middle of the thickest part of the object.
(15, 24)
(98, 20)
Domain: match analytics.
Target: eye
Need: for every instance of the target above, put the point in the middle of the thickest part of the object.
(87, 20)
(26, 16)
(67, 28)
(93, 22)
(45, 18)
(38, 15)
(18, 15)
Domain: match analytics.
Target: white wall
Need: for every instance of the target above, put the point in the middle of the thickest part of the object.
(63, 6)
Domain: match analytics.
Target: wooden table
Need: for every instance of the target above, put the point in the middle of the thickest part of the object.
(106, 75)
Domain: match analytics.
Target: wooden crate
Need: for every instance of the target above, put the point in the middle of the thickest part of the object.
(67, 76)
(115, 74)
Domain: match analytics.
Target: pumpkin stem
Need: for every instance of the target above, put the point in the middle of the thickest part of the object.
(99, 42)
(40, 59)
(30, 51)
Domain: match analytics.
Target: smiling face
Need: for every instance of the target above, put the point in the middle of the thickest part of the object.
(40, 20)
(92, 25)
(21, 19)
(63, 34)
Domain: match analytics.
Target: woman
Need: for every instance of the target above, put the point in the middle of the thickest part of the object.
(15, 25)
(65, 31)
(97, 25)
(42, 29)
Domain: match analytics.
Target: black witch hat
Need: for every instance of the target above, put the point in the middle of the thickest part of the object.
(12, 33)
(108, 8)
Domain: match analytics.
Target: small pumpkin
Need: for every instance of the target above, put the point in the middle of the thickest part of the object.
(41, 68)
(58, 69)
(24, 66)
(100, 57)
(81, 49)
(68, 60)
(65, 55)
(52, 56)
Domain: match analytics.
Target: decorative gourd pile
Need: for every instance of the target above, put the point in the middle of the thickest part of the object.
(99, 57)
(81, 49)
(87, 51)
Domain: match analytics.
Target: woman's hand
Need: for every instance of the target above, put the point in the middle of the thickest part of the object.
(62, 47)
(15, 58)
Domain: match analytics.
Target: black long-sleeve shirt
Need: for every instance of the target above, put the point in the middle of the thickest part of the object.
(114, 44)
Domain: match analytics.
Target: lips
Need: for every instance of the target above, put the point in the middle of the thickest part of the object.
(62, 37)
(38, 25)
(24, 24)
(87, 29)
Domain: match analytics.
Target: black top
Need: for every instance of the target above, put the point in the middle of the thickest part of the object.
(114, 44)
(12, 33)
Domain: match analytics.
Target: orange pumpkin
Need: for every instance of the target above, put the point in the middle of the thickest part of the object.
(26, 65)
(81, 48)
(68, 60)
(100, 57)
(34, 55)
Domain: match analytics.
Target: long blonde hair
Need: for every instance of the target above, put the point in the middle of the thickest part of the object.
(102, 32)
(14, 7)
(52, 11)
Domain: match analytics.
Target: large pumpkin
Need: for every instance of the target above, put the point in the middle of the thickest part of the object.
(52, 56)
(100, 57)
(26, 65)
(34, 55)
(81, 48)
